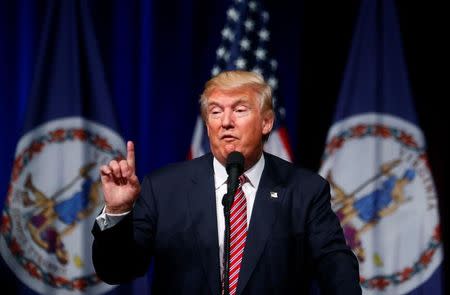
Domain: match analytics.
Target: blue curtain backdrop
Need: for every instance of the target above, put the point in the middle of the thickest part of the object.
(158, 54)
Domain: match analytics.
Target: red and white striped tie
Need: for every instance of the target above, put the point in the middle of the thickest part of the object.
(238, 234)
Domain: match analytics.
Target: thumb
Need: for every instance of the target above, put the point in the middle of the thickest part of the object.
(134, 181)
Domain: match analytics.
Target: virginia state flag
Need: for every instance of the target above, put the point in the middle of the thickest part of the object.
(245, 46)
(375, 160)
(70, 130)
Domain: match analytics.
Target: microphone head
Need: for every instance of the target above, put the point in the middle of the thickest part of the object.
(235, 159)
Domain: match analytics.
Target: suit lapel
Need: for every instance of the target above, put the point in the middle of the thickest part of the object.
(202, 202)
(263, 216)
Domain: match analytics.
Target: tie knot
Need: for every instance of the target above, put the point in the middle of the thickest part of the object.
(242, 179)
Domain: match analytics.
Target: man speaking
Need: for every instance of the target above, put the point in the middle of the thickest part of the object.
(281, 230)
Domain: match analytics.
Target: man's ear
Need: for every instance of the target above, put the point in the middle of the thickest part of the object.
(267, 122)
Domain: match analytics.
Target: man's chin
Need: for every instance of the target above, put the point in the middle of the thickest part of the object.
(230, 147)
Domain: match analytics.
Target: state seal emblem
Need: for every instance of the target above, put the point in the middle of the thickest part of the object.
(384, 195)
(53, 199)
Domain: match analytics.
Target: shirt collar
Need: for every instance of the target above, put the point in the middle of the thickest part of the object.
(253, 174)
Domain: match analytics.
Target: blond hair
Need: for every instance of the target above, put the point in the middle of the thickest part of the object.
(236, 81)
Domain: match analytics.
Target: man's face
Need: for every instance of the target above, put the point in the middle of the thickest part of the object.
(235, 123)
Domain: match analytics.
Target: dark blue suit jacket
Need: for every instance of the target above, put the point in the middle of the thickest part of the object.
(291, 239)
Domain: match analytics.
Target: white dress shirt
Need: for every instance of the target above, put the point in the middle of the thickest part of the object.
(107, 220)
(220, 180)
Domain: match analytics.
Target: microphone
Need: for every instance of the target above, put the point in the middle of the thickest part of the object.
(235, 167)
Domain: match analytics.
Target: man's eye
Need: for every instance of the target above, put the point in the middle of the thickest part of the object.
(215, 112)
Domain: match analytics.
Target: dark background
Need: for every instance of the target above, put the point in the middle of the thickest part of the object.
(310, 39)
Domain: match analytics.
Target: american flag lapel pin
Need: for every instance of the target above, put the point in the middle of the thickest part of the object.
(274, 195)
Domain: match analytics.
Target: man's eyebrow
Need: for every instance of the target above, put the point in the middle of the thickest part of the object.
(241, 100)
(213, 103)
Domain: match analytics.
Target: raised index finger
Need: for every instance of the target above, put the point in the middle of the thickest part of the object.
(130, 155)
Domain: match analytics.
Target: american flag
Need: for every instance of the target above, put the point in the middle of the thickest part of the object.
(245, 46)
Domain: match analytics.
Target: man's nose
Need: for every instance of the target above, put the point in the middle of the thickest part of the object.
(227, 119)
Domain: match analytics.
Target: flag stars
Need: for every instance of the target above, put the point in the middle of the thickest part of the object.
(273, 64)
(265, 16)
(275, 103)
(252, 5)
(227, 34)
(226, 56)
(264, 34)
(233, 14)
(273, 82)
(220, 52)
(245, 44)
(240, 63)
(249, 25)
(257, 70)
(215, 70)
(260, 54)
